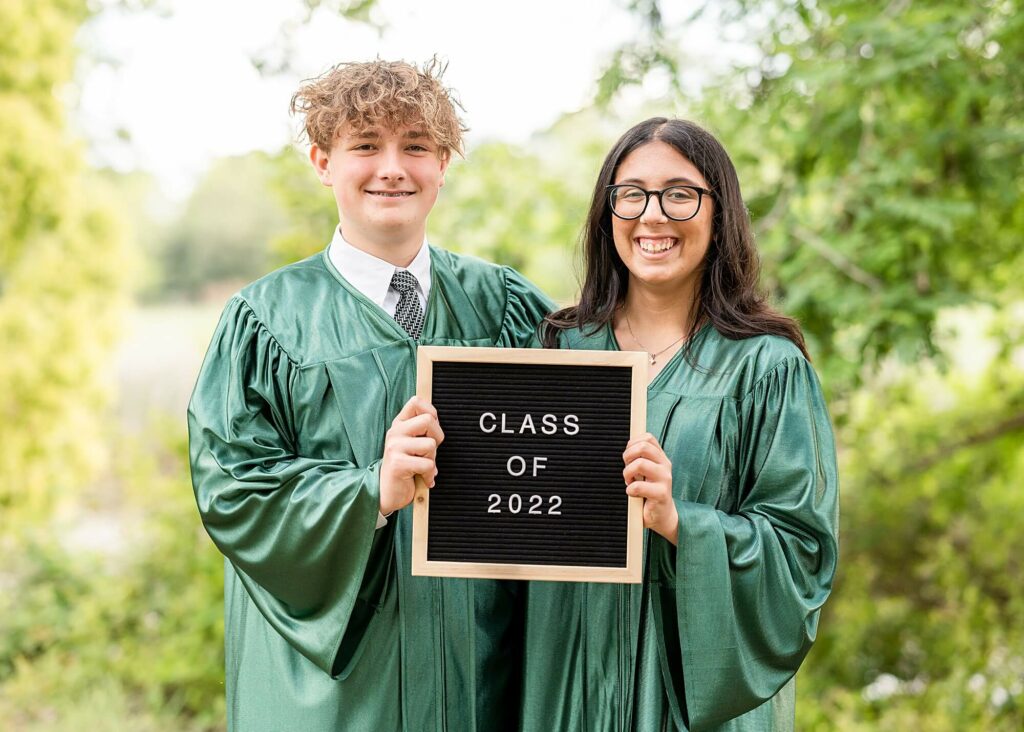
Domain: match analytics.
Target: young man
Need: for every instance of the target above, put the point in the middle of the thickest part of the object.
(306, 440)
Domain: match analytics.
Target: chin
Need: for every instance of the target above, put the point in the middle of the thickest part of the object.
(662, 280)
(389, 222)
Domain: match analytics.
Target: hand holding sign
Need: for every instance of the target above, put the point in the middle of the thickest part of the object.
(410, 449)
(648, 474)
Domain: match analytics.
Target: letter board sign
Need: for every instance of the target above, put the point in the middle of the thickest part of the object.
(529, 481)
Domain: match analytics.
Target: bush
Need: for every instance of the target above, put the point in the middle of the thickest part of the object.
(140, 630)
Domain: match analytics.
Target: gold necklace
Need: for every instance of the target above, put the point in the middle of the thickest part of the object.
(652, 356)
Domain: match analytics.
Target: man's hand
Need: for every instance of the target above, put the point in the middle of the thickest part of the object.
(410, 448)
(648, 474)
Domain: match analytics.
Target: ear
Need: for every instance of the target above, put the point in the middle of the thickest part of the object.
(445, 160)
(321, 164)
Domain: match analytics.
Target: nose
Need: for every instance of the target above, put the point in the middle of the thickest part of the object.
(390, 164)
(653, 212)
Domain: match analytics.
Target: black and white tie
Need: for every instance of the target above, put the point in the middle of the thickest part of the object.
(409, 313)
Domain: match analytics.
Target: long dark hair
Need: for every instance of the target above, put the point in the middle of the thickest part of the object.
(728, 295)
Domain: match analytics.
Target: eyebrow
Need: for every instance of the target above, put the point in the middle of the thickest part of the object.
(370, 134)
(374, 134)
(680, 181)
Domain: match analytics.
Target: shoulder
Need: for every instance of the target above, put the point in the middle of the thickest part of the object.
(468, 269)
(281, 302)
(761, 353)
(496, 296)
(589, 338)
(306, 275)
(739, 365)
(472, 272)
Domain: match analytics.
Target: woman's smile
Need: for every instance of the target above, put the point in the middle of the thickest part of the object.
(651, 245)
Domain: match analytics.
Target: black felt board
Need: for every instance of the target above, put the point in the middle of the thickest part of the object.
(584, 470)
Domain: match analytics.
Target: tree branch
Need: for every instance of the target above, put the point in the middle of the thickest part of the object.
(1012, 424)
(838, 259)
(776, 212)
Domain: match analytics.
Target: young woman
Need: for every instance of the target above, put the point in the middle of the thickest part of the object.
(738, 470)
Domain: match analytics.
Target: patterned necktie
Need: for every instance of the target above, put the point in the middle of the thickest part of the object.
(408, 314)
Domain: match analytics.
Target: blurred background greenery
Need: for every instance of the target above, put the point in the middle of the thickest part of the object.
(880, 147)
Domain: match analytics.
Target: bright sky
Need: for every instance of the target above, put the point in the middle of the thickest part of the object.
(183, 90)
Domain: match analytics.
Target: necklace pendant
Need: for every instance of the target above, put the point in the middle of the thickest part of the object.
(654, 358)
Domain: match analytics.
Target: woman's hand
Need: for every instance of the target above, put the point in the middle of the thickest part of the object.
(648, 474)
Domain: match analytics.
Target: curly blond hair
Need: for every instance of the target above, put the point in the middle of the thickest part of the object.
(388, 94)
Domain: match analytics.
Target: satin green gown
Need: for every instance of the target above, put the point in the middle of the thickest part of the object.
(326, 630)
(712, 638)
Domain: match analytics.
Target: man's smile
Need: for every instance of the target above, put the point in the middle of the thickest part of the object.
(390, 194)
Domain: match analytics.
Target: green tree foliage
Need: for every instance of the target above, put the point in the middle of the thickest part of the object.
(309, 207)
(888, 152)
(129, 638)
(881, 149)
(223, 234)
(507, 205)
(631, 63)
(145, 213)
(60, 292)
(926, 626)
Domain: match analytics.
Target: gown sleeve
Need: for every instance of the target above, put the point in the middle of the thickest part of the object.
(749, 585)
(298, 530)
(525, 307)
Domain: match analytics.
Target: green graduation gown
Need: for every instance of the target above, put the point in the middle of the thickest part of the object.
(712, 638)
(325, 628)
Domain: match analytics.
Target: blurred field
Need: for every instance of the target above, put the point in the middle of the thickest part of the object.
(158, 359)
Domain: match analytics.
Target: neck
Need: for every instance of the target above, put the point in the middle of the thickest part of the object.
(657, 311)
(399, 249)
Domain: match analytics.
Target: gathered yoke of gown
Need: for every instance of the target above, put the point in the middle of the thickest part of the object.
(325, 628)
(713, 636)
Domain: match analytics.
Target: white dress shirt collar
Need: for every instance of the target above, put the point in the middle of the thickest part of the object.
(372, 275)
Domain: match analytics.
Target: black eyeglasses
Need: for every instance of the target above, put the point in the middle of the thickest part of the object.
(679, 203)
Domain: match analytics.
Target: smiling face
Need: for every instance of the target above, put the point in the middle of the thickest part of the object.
(661, 254)
(385, 183)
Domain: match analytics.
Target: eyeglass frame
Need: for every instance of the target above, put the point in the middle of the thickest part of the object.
(701, 192)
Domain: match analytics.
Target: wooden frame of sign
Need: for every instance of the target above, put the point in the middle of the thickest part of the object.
(501, 509)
